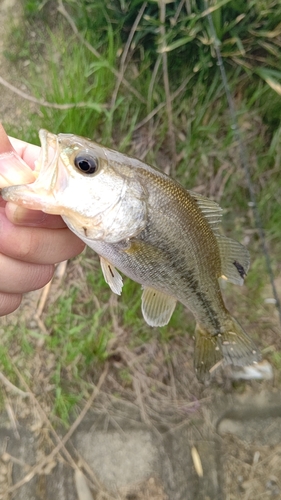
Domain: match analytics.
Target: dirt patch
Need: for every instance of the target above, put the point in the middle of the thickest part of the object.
(168, 437)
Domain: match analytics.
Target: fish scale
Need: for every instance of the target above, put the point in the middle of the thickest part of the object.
(146, 225)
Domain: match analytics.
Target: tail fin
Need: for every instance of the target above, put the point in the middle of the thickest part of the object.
(233, 346)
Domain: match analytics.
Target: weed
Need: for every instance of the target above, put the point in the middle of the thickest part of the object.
(6, 364)
(84, 72)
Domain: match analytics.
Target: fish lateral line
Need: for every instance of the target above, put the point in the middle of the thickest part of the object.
(151, 228)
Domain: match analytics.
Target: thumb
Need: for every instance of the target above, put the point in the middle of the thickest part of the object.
(13, 170)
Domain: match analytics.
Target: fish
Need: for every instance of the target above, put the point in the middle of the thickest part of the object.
(147, 226)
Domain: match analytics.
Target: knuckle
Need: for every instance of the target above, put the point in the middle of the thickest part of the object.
(29, 247)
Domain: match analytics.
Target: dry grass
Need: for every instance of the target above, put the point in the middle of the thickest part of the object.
(50, 375)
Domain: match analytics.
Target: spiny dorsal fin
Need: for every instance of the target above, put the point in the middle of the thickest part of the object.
(235, 259)
(209, 208)
(111, 276)
(157, 307)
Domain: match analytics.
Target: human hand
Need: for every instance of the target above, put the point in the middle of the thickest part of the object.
(31, 242)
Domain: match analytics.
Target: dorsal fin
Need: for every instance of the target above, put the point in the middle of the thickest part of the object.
(111, 276)
(235, 259)
(157, 307)
(209, 208)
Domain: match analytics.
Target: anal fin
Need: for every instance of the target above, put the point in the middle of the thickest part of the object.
(157, 307)
(207, 354)
(111, 276)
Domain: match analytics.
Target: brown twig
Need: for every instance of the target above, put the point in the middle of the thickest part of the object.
(171, 373)
(12, 417)
(43, 299)
(152, 81)
(61, 442)
(81, 485)
(11, 386)
(42, 102)
(137, 389)
(60, 271)
(178, 11)
(162, 104)
(64, 12)
(125, 53)
(249, 490)
(188, 7)
(169, 108)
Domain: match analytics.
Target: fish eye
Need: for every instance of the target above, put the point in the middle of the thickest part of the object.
(86, 163)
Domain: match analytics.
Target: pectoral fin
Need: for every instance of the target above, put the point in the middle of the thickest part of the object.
(157, 307)
(111, 276)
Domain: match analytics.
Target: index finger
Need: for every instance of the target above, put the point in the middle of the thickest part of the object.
(32, 218)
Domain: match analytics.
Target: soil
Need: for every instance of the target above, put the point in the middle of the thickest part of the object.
(179, 441)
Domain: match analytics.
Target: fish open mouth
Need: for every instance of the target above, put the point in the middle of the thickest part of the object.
(49, 152)
(41, 194)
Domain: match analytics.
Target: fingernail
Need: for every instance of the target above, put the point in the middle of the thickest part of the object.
(25, 217)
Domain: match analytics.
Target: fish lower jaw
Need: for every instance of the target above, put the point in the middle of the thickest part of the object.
(33, 205)
(33, 201)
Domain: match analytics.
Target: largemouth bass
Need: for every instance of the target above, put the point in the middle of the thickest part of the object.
(150, 228)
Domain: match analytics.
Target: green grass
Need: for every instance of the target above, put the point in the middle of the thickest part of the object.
(80, 333)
